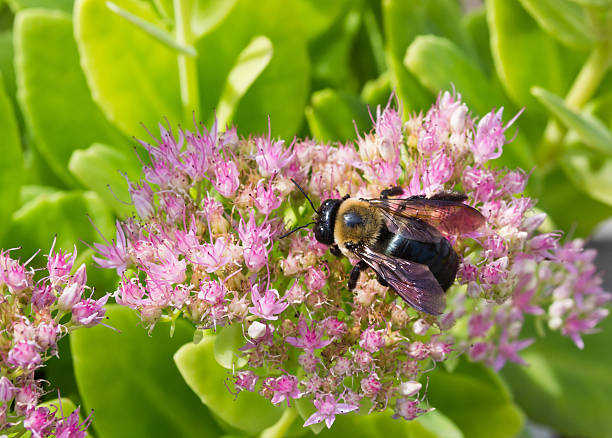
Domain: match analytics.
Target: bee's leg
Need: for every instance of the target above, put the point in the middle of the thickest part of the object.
(345, 197)
(449, 195)
(335, 250)
(381, 280)
(356, 271)
(393, 191)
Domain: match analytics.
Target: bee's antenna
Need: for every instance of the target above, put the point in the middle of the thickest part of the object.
(305, 195)
(295, 229)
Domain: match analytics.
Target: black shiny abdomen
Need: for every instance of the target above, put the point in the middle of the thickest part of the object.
(440, 257)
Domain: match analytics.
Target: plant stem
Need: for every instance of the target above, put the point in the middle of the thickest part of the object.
(590, 76)
(583, 88)
(188, 72)
(279, 429)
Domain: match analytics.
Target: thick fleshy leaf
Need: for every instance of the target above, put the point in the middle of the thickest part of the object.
(250, 63)
(590, 130)
(7, 69)
(100, 168)
(248, 411)
(476, 400)
(563, 20)
(524, 55)
(567, 388)
(281, 90)
(143, 393)
(475, 24)
(591, 174)
(207, 14)
(133, 77)
(227, 342)
(61, 214)
(331, 116)
(64, 5)
(594, 3)
(11, 164)
(439, 64)
(377, 91)
(54, 97)
(585, 212)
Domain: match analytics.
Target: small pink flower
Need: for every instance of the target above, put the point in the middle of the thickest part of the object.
(334, 328)
(24, 355)
(89, 312)
(418, 350)
(213, 292)
(269, 305)
(408, 409)
(142, 198)
(114, 255)
(130, 293)
(372, 340)
(509, 351)
(327, 409)
(363, 360)
(46, 335)
(342, 367)
(70, 427)
(266, 200)
(39, 421)
(70, 296)
(490, 139)
(308, 361)
(7, 390)
(310, 338)
(370, 385)
(271, 155)
(226, 178)
(284, 388)
(59, 265)
(212, 256)
(315, 278)
(246, 380)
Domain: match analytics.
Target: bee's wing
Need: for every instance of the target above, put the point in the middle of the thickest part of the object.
(412, 281)
(448, 216)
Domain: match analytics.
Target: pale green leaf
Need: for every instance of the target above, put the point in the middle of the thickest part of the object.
(133, 77)
(207, 14)
(248, 411)
(52, 91)
(227, 343)
(251, 62)
(590, 130)
(563, 20)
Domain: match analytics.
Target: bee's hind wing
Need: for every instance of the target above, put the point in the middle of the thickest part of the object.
(412, 281)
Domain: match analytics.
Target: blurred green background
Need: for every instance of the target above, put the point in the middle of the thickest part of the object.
(77, 79)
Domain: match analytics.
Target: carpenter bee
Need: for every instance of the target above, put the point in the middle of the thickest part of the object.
(402, 239)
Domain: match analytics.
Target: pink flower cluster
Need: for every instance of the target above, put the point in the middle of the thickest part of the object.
(205, 245)
(33, 309)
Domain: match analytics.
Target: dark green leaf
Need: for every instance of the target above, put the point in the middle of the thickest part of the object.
(377, 91)
(11, 164)
(130, 380)
(593, 175)
(563, 20)
(595, 3)
(475, 24)
(280, 92)
(54, 97)
(331, 115)
(7, 69)
(248, 412)
(590, 130)
(99, 168)
(524, 55)
(567, 388)
(133, 77)
(476, 400)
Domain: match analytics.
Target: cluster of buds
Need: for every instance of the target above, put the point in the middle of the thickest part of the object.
(37, 308)
(206, 246)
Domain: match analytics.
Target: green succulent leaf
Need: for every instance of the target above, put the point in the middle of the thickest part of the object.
(63, 214)
(52, 91)
(564, 387)
(251, 62)
(594, 3)
(476, 400)
(63, 5)
(439, 64)
(11, 165)
(132, 76)
(331, 115)
(227, 342)
(143, 394)
(475, 24)
(590, 130)
(563, 20)
(523, 54)
(247, 412)
(280, 91)
(592, 174)
(7, 68)
(100, 168)
(207, 14)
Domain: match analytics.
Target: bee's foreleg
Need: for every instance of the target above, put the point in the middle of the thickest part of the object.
(335, 250)
(355, 272)
(393, 191)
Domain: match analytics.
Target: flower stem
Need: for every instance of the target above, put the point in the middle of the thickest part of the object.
(586, 83)
(279, 429)
(188, 72)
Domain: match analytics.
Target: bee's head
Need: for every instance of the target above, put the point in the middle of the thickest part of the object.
(324, 226)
